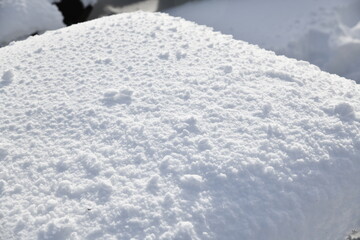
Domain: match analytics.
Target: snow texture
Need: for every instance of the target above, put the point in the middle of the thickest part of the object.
(323, 32)
(146, 126)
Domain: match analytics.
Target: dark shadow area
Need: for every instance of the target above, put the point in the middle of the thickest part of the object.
(164, 4)
(124, 2)
(73, 11)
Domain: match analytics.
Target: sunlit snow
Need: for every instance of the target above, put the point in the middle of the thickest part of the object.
(146, 126)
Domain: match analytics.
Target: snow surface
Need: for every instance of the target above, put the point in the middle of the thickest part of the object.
(324, 32)
(145, 126)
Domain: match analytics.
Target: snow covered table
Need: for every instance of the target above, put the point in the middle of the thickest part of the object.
(145, 126)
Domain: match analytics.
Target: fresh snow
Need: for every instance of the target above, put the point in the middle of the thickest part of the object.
(324, 32)
(146, 126)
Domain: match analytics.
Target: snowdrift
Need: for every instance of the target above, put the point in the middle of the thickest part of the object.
(146, 126)
(323, 32)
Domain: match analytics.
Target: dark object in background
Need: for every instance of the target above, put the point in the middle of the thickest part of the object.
(125, 2)
(355, 235)
(74, 11)
(164, 4)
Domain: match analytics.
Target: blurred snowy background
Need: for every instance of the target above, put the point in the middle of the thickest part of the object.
(324, 32)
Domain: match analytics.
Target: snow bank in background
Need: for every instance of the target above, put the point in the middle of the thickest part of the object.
(21, 18)
(324, 32)
(145, 126)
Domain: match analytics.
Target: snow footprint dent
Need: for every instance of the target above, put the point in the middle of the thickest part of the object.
(112, 97)
(227, 69)
(7, 78)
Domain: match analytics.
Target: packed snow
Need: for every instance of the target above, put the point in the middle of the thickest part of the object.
(146, 126)
(323, 32)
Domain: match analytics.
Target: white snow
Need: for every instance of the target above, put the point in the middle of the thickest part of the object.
(21, 18)
(106, 133)
(324, 32)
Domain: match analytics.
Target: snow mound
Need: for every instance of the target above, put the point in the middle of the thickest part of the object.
(146, 126)
(323, 32)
